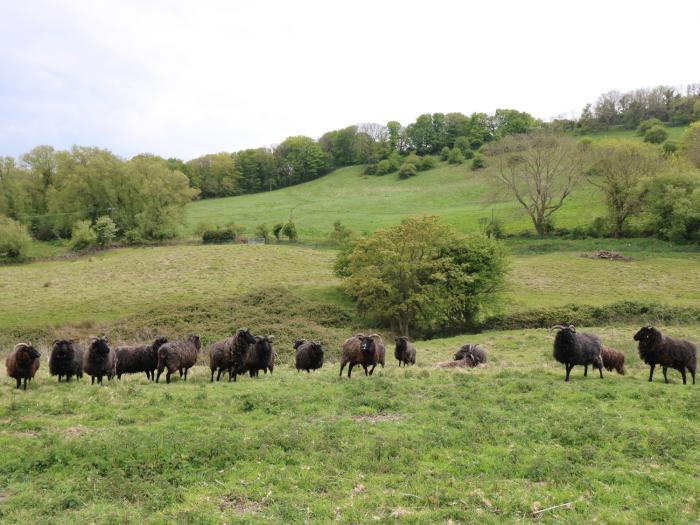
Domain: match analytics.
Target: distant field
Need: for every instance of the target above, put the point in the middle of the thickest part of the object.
(422, 445)
(367, 203)
(674, 133)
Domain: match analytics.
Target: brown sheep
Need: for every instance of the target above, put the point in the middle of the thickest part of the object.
(141, 358)
(364, 350)
(229, 354)
(405, 351)
(178, 355)
(613, 360)
(100, 360)
(22, 363)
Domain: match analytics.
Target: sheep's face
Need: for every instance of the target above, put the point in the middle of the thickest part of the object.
(247, 336)
(647, 334)
(298, 343)
(401, 342)
(366, 346)
(158, 342)
(29, 351)
(194, 339)
(99, 345)
(62, 348)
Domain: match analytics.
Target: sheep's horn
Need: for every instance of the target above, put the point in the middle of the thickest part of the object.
(558, 327)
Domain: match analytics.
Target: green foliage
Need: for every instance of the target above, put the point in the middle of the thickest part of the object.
(656, 135)
(407, 170)
(691, 144)
(215, 175)
(277, 230)
(670, 148)
(463, 144)
(444, 153)
(492, 227)
(510, 122)
(646, 125)
(455, 157)
(421, 275)
(428, 163)
(478, 162)
(341, 235)
(672, 204)
(83, 237)
(220, 236)
(263, 231)
(300, 159)
(289, 230)
(105, 231)
(14, 240)
(413, 159)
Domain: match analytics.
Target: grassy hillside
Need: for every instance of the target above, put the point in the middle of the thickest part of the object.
(421, 445)
(674, 133)
(367, 203)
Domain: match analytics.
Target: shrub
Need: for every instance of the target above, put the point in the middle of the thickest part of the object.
(289, 230)
(600, 227)
(646, 125)
(136, 237)
(277, 230)
(413, 159)
(670, 148)
(407, 171)
(478, 162)
(444, 153)
(656, 135)
(202, 227)
(455, 156)
(105, 231)
(672, 205)
(370, 169)
(463, 144)
(429, 163)
(492, 227)
(385, 167)
(691, 144)
(341, 235)
(82, 237)
(220, 236)
(262, 230)
(14, 240)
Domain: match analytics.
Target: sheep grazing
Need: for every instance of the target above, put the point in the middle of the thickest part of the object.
(66, 360)
(669, 352)
(259, 356)
(178, 355)
(141, 358)
(472, 355)
(364, 350)
(22, 363)
(613, 360)
(405, 351)
(572, 348)
(100, 360)
(309, 355)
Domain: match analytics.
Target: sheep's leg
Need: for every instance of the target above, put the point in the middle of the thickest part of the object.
(601, 372)
(372, 370)
(186, 370)
(19, 382)
(585, 370)
(568, 371)
(349, 369)
(342, 365)
(93, 380)
(683, 374)
(665, 369)
(651, 372)
(692, 373)
(365, 369)
(25, 383)
(160, 371)
(167, 377)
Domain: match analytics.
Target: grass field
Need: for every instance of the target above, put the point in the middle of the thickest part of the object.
(674, 133)
(367, 203)
(421, 445)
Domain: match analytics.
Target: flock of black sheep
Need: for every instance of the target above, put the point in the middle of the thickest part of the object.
(245, 353)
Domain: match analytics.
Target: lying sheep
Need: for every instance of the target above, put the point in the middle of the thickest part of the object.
(178, 355)
(309, 355)
(66, 360)
(364, 350)
(572, 348)
(100, 360)
(669, 352)
(613, 360)
(473, 355)
(405, 351)
(22, 363)
(141, 358)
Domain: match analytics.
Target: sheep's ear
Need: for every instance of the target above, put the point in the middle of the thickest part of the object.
(271, 338)
(55, 342)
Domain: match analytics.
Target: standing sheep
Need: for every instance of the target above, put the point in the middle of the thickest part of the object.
(572, 348)
(309, 355)
(100, 360)
(66, 360)
(141, 358)
(669, 352)
(405, 351)
(228, 354)
(259, 356)
(613, 360)
(364, 350)
(22, 363)
(178, 355)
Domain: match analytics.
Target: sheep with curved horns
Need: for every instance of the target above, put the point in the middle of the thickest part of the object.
(572, 348)
(22, 363)
(656, 348)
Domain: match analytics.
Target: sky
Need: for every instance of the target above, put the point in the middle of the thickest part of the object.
(182, 79)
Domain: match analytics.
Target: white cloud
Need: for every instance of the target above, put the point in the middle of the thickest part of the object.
(186, 78)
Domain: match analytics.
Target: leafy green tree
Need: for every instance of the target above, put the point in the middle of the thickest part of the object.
(481, 130)
(444, 153)
(646, 125)
(691, 144)
(217, 175)
(463, 144)
(672, 204)
(539, 170)
(263, 231)
(456, 156)
(512, 122)
(618, 168)
(456, 125)
(656, 135)
(407, 170)
(300, 159)
(422, 275)
(341, 235)
(277, 230)
(83, 236)
(289, 230)
(105, 231)
(428, 163)
(257, 169)
(14, 239)
(421, 135)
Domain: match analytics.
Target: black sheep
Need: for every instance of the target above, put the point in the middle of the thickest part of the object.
(405, 351)
(66, 360)
(259, 356)
(309, 355)
(141, 358)
(474, 355)
(572, 348)
(22, 363)
(100, 360)
(178, 355)
(669, 352)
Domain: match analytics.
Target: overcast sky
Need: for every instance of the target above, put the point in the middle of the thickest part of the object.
(187, 78)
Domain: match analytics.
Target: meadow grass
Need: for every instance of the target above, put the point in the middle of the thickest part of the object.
(418, 445)
(675, 133)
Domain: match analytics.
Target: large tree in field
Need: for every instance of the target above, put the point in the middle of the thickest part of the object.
(619, 167)
(539, 170)
(422, 275)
